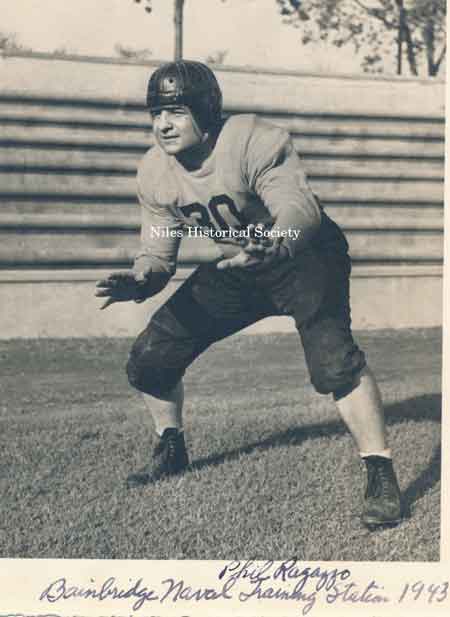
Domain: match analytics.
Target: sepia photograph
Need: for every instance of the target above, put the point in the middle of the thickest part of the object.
(221, 296)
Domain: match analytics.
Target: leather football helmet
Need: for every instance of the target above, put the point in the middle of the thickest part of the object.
(188, 83)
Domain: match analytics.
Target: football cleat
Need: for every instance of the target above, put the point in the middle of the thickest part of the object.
(169, 458)
(383, 505)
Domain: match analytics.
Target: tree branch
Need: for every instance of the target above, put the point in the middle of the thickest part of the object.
(374, 13)
(438, 62)
(363, 6)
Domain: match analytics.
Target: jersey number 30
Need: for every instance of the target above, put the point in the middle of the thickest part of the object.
(221, 213)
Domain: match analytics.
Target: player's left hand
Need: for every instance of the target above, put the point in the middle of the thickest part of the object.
(256, 251)
(119, 287)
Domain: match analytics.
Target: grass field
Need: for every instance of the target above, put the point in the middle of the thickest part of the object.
(274, 472)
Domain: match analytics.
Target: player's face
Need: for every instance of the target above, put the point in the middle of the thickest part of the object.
(175, 130)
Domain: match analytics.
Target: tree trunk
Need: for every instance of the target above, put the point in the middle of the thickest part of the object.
(178, 22)
(428, 35)
(401, 27)
(404, 35)
(410, 51)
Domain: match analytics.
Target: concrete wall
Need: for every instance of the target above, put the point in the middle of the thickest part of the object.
(73, 130)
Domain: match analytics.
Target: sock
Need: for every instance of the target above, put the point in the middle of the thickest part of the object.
(383, 453)
(161, 432)
(166, 413)
(163, 421)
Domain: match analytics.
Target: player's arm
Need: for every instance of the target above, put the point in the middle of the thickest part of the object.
(273, 170)
(154, 264)
(276, 174)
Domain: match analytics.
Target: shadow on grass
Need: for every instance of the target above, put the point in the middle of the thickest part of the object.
(425, 407)
(423, 483)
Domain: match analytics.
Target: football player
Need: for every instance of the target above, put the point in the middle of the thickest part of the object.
(228, 177)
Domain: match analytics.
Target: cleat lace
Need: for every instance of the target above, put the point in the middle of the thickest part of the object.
(171, 446)
(380, 481)
(374, 487)
(385, 483)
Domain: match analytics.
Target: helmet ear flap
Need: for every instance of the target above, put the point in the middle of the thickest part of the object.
(201, 130)
(188, 83)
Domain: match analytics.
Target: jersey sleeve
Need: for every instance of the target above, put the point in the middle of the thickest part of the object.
(161, 230)
(275, 173)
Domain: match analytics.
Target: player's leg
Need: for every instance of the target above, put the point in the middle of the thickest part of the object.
(361, 408)
(209, 306)
(166, 410)
(170, 455)
(336, 365)
(153, 371)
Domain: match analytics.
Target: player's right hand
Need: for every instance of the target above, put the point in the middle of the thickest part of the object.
(120, 287)
(256, 251)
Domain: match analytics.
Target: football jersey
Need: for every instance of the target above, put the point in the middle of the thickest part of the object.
(252, 175)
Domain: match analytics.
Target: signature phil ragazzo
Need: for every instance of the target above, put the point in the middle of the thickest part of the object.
(292, 581)
(241, 581)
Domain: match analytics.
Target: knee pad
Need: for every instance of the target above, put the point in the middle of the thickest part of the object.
(339, 374)
(159, 356)
(150, 379)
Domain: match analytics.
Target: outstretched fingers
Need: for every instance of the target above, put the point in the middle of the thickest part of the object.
(102, 293)
(108, 302)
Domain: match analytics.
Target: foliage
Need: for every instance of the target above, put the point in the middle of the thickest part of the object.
(63, 51)
(217, 57)
(376, 27)
(130, 53)
(8, 42)
(148, 5)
